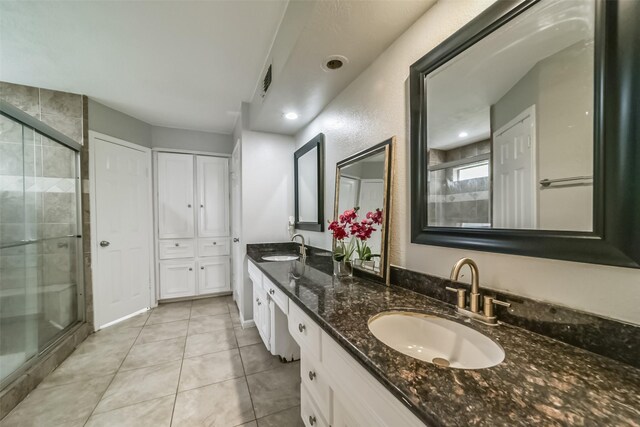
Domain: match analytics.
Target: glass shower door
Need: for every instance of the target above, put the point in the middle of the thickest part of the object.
(39, 279)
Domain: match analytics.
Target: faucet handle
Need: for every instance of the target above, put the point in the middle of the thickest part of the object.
(489, 303)
(462, 296)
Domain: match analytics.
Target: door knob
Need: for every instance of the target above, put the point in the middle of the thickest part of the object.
(188, 206)
(236, 240)
(104, 243)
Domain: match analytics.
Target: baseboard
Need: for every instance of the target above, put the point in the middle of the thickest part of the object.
(246, 323)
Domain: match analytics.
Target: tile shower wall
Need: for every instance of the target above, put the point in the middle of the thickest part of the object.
(452, 202)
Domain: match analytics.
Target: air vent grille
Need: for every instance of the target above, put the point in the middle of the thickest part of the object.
(267, 81)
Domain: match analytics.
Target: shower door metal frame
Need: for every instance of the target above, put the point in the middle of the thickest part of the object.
(26, 120)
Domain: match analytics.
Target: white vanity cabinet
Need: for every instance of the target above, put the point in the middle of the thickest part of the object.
(192, 215)
(336, 390)
(270, 308)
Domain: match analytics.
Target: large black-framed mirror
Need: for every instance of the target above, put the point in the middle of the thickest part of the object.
(309, 185)
(525, 134)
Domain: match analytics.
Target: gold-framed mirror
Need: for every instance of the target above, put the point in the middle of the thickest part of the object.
(362, 208)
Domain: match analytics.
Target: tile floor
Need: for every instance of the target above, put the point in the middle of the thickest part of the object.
(183, 364)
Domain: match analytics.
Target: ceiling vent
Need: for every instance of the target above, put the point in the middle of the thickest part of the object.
(266, 82)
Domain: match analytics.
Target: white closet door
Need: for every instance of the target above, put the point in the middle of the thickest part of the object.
(177, 279)
(175, 196)
(213, 192)
(213, 275)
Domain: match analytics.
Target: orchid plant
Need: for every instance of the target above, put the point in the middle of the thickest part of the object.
(348, 225)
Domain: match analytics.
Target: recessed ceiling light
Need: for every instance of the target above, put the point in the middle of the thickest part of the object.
(463, 134)
(291, 116)
(334, 62)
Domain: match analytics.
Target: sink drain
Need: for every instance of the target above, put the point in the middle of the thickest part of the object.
(440, 362)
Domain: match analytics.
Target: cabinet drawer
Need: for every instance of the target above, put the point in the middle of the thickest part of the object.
(316, 383)
(213, 247)
(276, 295)
(176, 248)
(305, 331)
(312, 416)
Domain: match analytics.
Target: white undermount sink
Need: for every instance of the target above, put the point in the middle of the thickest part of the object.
(436, 340)
(280, 258)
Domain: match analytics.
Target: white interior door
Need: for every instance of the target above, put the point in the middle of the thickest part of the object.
(121, 224)
(236, 223)
(514, 173)
(175, 196)
(213, 192)
(371, 198)
(349, 188)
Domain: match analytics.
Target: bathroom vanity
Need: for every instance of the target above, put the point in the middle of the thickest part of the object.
(351, 378)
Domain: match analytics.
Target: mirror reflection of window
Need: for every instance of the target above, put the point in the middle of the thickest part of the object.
(308, 187)
(510, 125)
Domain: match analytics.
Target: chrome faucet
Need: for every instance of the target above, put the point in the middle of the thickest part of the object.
(303, 250)
(487, 315)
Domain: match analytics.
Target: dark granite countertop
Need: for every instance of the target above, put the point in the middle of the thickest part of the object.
(541, 381)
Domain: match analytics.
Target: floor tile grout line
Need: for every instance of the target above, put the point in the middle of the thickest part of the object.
(277, 412)
(128, 405)
(116, 373)
(255, 417)
(73, 382)
(213, 383)
(184, 349)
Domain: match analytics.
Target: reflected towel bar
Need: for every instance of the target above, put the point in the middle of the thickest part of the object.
(547, 182)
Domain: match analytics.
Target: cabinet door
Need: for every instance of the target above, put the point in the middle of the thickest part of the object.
(175, 196)
(213, 195)
(262, 316)
(213, 275)
(177, 279)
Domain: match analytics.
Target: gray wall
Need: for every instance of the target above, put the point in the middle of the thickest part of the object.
(183, 139)
(111, 122)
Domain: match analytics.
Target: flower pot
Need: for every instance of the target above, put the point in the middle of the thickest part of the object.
(342, 269)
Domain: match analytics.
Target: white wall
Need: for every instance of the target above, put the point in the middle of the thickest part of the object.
(375, 106)
(183, 139)
(267, 186)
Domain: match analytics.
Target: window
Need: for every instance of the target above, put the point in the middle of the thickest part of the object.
(471, 171)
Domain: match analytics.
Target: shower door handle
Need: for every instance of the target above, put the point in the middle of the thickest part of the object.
(104, 243)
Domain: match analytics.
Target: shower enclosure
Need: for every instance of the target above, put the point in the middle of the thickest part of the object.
(41, 280)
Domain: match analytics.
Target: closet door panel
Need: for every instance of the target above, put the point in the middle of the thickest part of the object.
(175, 196)
(214, 275)
(177, 279)
(213, 194)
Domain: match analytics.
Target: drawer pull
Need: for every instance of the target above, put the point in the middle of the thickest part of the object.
(259, 303)
(177, 244)
(201, 268)
(190, 269)
(271, 291)
(301, 327)
(257, 299)
(312, 419)
(312, 375)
